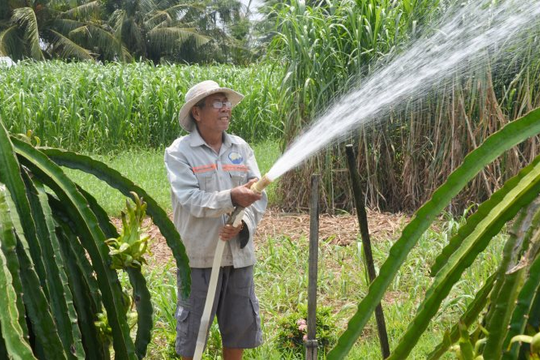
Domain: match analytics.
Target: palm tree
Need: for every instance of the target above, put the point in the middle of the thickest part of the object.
(151, 30)
(225, 22)
(82, 33)
(265, 29)
(118, 30)
(54, 29)
(19, 32)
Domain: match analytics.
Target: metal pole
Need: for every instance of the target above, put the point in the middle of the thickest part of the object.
(366, 244)
(311, 343)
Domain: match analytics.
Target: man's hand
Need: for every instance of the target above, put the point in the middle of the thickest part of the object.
(228, 231)
(243, 195)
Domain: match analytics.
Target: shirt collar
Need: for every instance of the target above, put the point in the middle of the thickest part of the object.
(197, 140)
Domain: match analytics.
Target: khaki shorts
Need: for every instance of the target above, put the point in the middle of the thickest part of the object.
(235, 305)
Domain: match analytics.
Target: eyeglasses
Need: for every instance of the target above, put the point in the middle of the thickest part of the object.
(219, 104)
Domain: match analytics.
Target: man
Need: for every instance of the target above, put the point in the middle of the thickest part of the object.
(210, 173)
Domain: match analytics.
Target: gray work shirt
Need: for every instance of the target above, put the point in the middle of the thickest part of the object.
(201, 182)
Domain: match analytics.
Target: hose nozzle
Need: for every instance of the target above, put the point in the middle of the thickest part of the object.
(260, 185)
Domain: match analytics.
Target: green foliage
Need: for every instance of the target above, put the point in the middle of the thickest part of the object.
(534, 341)
(130, 247)
(324, 49)
(122, 31)
(517, 269)
(56, 265)
(330, 48)
(293, 330)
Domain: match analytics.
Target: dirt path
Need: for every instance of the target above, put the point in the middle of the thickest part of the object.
(342, 229)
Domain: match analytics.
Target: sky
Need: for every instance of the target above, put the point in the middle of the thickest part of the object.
(254, 4)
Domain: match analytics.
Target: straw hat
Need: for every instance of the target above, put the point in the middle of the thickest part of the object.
(199, 92)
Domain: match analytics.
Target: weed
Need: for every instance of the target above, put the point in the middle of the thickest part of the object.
(292, 332)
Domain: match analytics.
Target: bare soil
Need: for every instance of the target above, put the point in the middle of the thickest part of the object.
(339, 229)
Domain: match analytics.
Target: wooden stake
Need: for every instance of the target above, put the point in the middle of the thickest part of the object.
(366, 244)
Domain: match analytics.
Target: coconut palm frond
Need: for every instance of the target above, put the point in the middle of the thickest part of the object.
(80, 34)
(172, 38)
(111, 45)
(135, 35)
(5, 23)
(86, 11)
(97, 38)
(65, 26)
(228, 10)
(26, 18)
(177, 12)
(68, 49)
(8, 42)
(159, 18)
(117, 21)
(146, 6)
(126, 55)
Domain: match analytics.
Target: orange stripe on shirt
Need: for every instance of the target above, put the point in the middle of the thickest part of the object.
(235, 168)
(204, 168)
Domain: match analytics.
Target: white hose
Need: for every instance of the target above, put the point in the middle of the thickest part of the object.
(210, 296)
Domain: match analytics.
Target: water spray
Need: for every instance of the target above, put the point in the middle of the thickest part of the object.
(235, 219)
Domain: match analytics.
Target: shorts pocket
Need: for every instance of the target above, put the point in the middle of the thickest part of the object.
(182, 323)
(257, 320)
(255, 306)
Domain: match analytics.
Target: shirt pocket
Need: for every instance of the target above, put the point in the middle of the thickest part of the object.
(238, 178)
(208, 181)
